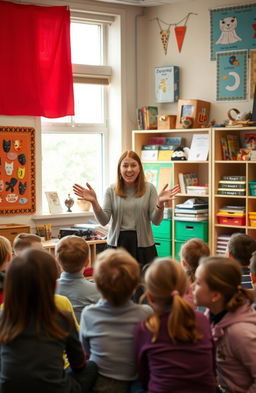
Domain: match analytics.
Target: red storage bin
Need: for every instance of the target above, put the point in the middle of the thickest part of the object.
(228, 219)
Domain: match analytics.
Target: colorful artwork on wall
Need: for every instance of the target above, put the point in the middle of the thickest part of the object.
(232, 76)
(17, 171)
(233, 28)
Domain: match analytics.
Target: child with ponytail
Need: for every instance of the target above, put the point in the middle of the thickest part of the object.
(218, 287)
(174, 346)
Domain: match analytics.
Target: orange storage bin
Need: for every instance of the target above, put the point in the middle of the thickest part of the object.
(252, 219)
(231, 219)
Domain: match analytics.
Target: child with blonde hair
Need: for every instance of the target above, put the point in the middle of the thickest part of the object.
(5, 257)
(174, 346)
(106, 328)
(233, 320)
(190, 255)
(72, 254)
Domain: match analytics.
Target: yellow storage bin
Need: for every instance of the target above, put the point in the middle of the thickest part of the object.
(252, 218)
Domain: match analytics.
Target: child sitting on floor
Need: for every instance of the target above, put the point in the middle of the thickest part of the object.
(5, 257)
(106, 328)
(34, 333)
(218, 287)
(26, 240)
(72, 255)
(190, 255)
(174, 346)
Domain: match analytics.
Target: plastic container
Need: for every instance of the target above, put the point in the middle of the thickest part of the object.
(252, 219)
(185, 230)
(164, 230)
(163, 247)
(252, 188)
(231, 219)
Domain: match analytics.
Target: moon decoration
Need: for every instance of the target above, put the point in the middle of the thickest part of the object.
(236, 84)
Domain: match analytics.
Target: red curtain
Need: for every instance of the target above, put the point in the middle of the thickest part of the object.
(35, 65)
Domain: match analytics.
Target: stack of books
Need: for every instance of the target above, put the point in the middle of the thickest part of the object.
(222, 243)
(160, 148)
(147, 118)
(193, 209)
(232, 185)
(230, 147)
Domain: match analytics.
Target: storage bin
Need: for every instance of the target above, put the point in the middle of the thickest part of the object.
(252, 188)
(231, 219)
(185, 230)
(178, 246)
(163, 247)
(252, 219)
(164, 230)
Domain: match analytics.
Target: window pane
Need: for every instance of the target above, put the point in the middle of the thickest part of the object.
(69, 159)
(88, 103)
(86, 43)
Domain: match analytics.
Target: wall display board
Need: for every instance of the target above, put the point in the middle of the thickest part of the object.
(17, 171)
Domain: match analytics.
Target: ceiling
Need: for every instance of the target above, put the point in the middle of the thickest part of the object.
(143, 3)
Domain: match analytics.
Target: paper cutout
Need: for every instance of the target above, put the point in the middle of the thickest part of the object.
(180, 32)
(165, 34)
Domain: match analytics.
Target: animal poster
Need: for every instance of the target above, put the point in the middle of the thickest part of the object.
(232, 75)
(17, 171)
(233, 28)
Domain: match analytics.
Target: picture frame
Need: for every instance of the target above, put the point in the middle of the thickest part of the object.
(53, 202)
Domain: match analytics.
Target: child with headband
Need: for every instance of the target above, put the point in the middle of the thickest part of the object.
(174, 346)
(218, 287)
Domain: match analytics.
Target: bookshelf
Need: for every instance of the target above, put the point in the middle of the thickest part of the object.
(201, 168)
(221, 167)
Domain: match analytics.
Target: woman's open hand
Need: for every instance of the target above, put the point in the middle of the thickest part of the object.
(167, 195)
(87, 194)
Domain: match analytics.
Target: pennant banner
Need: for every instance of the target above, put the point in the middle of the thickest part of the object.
(180, 32)
(165, 34)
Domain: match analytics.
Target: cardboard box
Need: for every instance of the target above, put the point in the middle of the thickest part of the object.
(198, 110)
(166, 122)
(167, 84)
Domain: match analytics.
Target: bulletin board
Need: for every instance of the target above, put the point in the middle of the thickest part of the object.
(17, 171)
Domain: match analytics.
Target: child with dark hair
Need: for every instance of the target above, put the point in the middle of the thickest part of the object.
(252, 268)
(5, 257)
(174, 346)
(240, 247)
(34, 333)
(233, 319)
(190, 254)
(106, 328)
(72, 255)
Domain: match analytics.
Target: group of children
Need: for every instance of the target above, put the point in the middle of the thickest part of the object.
(166, 345)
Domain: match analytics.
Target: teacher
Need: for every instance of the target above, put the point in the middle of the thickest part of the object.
(131, 204)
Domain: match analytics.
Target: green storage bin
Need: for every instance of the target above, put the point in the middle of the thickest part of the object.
(178, 246)
(163, 247)
(164, 230)
(185, 230)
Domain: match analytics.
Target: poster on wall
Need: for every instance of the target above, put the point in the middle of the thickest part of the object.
(233, 28)
(17, 171)
(166, 84)
(253, 72)
(232, 76)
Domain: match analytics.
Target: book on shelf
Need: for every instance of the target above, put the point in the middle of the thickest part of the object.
(233, 178)
(173, 140)
(157, 140)
(199, 147)
(147, 117)
(199, 190)
(226, 191)
(149, 153)
(187, 179)
(193, 203)
(196, 215)
(233, 185)
(232, 209)
(191, 211)
(233, 146)
(165, 152)
(224, 146)
(190, 218)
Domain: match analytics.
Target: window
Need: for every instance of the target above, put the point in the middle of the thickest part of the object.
(73, 147)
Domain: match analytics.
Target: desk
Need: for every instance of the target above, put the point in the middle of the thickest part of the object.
(50, 246)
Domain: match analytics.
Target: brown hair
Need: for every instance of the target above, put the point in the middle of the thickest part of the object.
(72, 253)
(253, 263)
(140, 181)
(5, 250)
(167, 282)
(224, 275)
(25, 240)
(116, 274)
(241, 247)
(29, 289)
(191, 252)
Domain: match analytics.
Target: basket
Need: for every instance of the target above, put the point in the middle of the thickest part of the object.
(252, 188)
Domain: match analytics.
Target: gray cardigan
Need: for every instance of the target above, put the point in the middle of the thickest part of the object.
(145, 210)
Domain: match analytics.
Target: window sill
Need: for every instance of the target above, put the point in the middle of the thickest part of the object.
(61, 216)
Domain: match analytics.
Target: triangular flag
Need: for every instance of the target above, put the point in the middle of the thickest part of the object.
(165, 34)
(180, 34)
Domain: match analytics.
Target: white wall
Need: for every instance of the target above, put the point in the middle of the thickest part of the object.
(197, 72)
